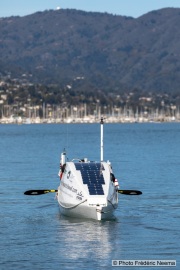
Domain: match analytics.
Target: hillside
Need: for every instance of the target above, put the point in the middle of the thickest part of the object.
(99, 50)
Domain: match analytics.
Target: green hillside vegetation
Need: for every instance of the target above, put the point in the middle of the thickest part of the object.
(71, 56)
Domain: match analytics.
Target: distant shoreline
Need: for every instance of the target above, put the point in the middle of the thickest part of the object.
(87, 120)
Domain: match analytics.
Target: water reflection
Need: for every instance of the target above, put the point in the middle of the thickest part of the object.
(86, 239)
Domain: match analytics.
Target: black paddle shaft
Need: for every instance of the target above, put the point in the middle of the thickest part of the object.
(130, 192)
(39, 191)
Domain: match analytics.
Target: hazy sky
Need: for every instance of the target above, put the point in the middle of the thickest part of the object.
(134, 8)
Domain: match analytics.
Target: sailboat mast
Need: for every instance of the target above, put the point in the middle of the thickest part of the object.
(102, 122)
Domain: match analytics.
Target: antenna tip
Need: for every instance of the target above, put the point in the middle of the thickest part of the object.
(102, 120)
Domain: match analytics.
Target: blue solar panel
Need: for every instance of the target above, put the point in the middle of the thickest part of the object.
(92, 176)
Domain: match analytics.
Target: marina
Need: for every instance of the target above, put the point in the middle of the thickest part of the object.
(84, 114)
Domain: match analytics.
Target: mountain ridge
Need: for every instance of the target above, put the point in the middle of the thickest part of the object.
(110, 52)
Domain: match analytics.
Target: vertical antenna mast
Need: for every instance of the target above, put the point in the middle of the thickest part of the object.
(102, 122)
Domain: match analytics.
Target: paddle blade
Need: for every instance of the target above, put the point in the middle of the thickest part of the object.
(130, 192)
(39, 191)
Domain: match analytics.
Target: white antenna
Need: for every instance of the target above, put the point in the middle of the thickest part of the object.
(102, 122)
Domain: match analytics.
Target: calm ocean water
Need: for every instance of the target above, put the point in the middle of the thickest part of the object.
(34, 235)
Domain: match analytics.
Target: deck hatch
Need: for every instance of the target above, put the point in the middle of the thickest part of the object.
(92, 176)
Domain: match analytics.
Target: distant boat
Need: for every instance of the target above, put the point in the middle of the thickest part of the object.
(27, 121)
(87, 189)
